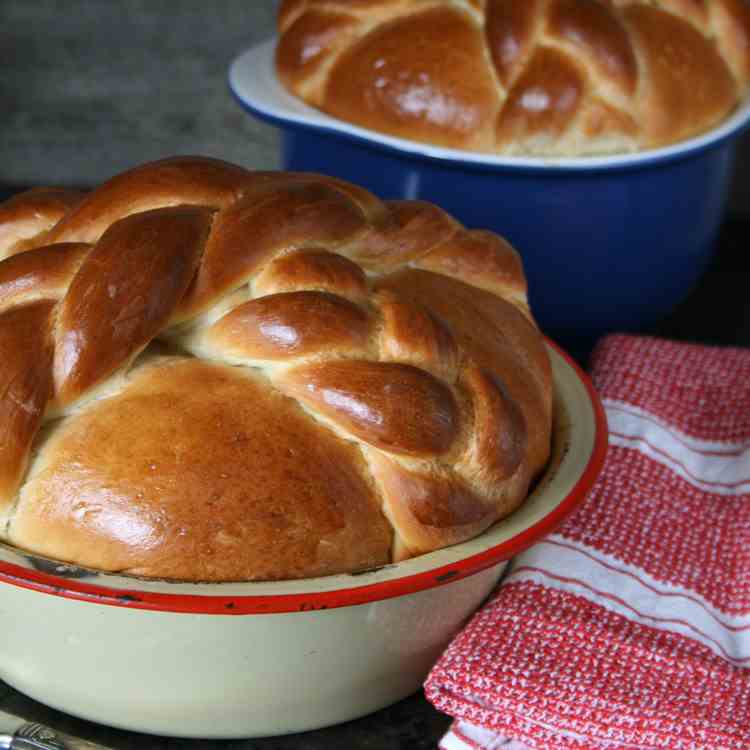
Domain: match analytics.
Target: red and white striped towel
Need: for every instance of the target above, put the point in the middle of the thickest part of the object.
(629, 629)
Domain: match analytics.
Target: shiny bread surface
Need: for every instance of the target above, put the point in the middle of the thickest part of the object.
(208, 373)
(520, 77)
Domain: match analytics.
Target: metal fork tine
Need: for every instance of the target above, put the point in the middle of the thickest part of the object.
(32, 736)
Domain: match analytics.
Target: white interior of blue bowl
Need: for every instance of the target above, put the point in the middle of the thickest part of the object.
(253, 81)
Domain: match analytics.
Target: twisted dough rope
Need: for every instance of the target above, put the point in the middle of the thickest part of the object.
(364, 312)
(546, 77)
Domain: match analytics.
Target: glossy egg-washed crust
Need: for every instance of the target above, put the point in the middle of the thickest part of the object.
(214, 374)
(533, 77)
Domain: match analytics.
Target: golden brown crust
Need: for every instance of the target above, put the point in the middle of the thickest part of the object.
(547, 77)
(241, 243)
(25, 389)
(396, 407)
(231, 481)
(510, 29)
(731, 21)
(169, 182)
(687, 86)
(44, 274)
(413, 228)
(308, 44)
(426, 507)
(30, 214)
(124, 294)
(291, 324)
(434, 87)
(599, 35)
(313, 269)
(497, 337)
(499, 439)
(346, 381)
(483, 259)
(544, 101)
(411, 334)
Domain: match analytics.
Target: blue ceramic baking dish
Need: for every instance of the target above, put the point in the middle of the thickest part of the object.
(608, 243)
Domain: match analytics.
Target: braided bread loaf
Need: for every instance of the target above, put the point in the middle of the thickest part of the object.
(536, 77)
(213, 374)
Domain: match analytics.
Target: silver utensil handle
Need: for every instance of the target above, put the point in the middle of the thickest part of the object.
(32, 737)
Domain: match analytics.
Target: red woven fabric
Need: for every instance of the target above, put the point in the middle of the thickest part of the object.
(628, 629)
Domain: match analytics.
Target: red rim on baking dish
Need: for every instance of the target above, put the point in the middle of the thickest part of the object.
(573, 388)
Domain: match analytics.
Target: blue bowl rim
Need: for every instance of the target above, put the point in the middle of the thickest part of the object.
(276, 106)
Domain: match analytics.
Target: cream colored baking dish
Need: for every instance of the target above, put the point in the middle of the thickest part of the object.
(254, 659)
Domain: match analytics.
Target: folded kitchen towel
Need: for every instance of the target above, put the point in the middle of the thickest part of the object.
(629, 628)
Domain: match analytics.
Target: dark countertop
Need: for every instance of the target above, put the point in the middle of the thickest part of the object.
(411, 724)
(716, 312)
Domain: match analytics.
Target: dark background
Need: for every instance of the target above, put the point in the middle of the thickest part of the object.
(89, 88)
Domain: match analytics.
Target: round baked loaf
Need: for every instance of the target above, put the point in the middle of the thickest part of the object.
(533, 77)
(213, 374)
